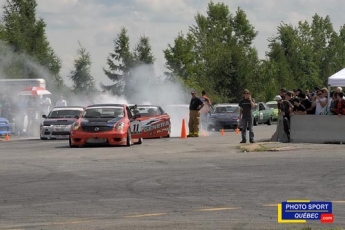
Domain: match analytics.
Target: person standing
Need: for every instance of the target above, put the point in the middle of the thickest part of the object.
(194, 115)
(285, 108)
(61, 102)
(206, 109)
(246, 116)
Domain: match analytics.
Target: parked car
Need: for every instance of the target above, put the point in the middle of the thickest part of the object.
(224, 116)
(262, 114)
(273, 105)
(5, 126)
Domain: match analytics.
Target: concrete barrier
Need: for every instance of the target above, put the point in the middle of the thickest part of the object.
(317, 129)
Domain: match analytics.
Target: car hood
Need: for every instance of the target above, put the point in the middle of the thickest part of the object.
(99, 121)
(58, 121)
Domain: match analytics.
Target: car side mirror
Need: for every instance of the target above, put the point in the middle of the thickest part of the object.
(44, 116)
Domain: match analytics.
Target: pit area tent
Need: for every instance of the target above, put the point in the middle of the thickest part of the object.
(336, 80)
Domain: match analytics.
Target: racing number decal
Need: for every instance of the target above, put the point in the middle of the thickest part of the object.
(136, 127)
(261, 116)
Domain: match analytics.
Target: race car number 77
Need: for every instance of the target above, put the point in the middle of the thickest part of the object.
(136, 127)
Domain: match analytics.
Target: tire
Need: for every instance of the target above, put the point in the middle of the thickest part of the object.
(70, 143)
(129, 138)
(43, 138)
(269, 122)
(255, 123)
(140, 141)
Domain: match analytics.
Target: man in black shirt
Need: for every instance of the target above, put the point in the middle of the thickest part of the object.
(298, 108)
(246, 116)
(194, 115)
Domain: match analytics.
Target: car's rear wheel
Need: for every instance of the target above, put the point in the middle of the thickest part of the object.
(140, 141)
(43, 138)
(269, 122)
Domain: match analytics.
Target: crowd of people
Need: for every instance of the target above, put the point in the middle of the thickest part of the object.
(294, 102)
(25, 112)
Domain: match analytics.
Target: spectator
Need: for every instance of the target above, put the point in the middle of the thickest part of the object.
(206, 109)
(289, 96)
(246, 116)
(298, 108)
(282, 93)
(61, 102)
(305, 101)
(333, 103)
(320, 103)
(194, 115)
(340, 106)
(285, 108)
(46, 104)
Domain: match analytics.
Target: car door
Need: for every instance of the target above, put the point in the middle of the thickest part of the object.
(156, 125)
(261, 113)
(135, 125)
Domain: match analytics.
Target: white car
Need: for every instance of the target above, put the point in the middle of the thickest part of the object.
(57, 124)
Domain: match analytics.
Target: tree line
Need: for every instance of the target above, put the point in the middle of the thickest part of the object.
(216, 54)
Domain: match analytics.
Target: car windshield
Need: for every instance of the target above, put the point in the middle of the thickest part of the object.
(145, 111)
(109, 112)
(68, 113)
(273, 106)
(226, 109)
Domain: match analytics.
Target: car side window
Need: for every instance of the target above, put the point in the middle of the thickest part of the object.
(262, 107)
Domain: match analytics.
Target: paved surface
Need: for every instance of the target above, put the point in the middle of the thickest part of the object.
(196, 183)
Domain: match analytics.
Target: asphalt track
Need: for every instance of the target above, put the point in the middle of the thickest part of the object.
(173, 183)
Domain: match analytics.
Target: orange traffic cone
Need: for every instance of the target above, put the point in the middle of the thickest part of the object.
(183, 130)
(203, 133)
(237, 130)
(7, 138)
(222, 132)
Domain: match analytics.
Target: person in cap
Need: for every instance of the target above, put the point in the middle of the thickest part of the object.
(285, 108)
(246, 116)
(194, 115)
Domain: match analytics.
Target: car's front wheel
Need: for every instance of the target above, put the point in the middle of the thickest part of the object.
(129, 138)
(70, 143)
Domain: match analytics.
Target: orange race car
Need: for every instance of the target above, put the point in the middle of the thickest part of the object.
(155, 122)
(110, 124)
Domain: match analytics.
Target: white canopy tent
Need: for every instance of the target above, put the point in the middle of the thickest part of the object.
(336, 80)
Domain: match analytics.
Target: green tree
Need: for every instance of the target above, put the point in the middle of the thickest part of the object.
(83, 82)
(217, 54)
(26, 35)
(120, 62)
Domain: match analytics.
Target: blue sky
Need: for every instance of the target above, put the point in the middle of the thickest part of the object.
(96, 23)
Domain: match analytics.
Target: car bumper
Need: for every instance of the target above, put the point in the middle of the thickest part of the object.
(110, 138)
(53, 132)
(5, 129)
(224, 124)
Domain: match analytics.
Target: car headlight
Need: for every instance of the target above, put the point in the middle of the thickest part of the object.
(119, 126)
(76, 126)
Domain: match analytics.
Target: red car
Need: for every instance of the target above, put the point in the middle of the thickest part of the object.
(155, 122)
(110, 124)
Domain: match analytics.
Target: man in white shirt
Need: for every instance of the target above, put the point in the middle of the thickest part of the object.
(61, 102)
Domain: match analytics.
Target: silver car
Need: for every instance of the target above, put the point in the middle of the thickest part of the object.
(57, 124)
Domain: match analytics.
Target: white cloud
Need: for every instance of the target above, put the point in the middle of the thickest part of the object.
(95, 23)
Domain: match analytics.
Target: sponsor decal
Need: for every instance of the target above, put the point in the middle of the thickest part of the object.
(157, 126)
